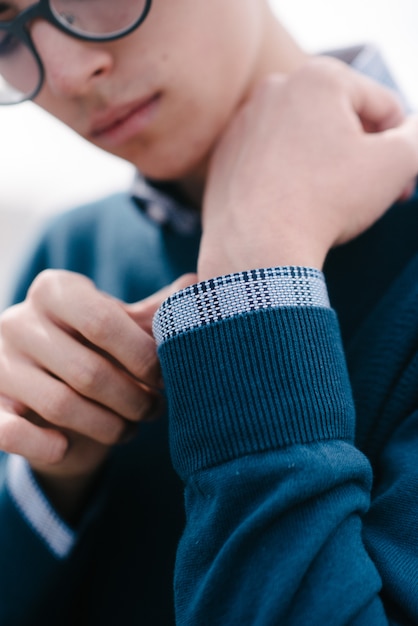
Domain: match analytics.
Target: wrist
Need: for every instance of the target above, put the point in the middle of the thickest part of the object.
(67, 494)
(215, 261)
(69, 484)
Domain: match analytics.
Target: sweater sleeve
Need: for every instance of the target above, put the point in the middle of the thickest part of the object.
(32, 554)
(262, 434)
(36, 509)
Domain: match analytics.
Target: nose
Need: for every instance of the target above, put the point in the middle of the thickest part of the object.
(72, 67)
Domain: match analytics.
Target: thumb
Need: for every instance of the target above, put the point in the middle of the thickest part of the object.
(142, 312)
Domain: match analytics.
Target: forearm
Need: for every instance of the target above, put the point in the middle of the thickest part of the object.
(262, 427)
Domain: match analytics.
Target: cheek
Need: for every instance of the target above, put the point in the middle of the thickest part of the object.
(61, 109)
(199, 103)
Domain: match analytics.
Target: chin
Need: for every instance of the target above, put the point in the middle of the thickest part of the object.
(172, 167)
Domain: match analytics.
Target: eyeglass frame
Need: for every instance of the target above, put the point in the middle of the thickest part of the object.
(42, 10)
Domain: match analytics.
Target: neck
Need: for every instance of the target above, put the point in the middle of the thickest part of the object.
(278, 54)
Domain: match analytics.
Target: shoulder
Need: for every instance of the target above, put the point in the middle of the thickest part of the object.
(101, 240)
(117, 211)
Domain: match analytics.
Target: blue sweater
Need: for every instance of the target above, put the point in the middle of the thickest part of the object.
(295, 432)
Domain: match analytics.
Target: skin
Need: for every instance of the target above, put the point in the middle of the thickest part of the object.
(239, 103)
(239, 44)
(297, 219)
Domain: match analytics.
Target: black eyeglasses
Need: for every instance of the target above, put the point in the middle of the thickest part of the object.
(21, 69)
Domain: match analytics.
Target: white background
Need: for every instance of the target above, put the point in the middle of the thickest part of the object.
(45, 168)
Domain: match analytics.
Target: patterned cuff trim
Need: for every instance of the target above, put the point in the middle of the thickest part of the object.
(220, 298)
(36, 509)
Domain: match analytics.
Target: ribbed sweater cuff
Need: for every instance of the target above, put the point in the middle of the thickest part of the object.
(255, 382)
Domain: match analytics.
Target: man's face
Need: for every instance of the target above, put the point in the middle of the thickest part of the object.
(161, 96)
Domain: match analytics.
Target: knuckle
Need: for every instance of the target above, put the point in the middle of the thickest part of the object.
(54, 452)
(87, 376)
(10, 321)
(104, 427)
(42, 284)
(55, 283)
(57, 405)
(97, 325)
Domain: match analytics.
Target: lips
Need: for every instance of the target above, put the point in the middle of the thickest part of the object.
(115, 125)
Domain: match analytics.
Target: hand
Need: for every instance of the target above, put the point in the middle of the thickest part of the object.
(309, 162)
(77, 370)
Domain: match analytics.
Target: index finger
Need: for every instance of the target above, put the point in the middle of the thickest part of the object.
(101, 321)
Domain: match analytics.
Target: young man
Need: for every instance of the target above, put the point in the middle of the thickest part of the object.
(290, 519)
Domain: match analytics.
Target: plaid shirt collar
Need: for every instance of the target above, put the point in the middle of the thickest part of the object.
(163, 208)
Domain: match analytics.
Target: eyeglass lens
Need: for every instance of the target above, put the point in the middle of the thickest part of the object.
(20, 72)
(97, 17)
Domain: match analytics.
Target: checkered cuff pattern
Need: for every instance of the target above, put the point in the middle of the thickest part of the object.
(224, 297)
